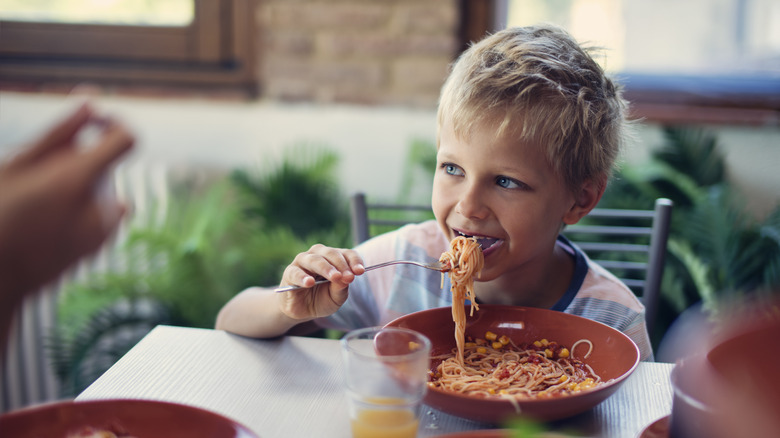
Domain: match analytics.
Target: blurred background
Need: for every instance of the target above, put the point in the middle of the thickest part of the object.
(257, 119)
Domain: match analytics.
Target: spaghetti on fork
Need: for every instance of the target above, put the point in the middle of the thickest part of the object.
(465, 261)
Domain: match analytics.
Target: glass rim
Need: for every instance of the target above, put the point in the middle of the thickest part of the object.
(427, 345)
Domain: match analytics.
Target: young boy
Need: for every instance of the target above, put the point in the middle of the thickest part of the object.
(529, 128)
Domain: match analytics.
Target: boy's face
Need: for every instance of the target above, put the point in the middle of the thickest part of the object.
(502, 191)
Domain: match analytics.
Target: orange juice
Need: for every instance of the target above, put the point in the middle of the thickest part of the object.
(385, 417)
(376, 423)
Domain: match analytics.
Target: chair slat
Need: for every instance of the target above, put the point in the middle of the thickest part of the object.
(634, 284)
(622, 265)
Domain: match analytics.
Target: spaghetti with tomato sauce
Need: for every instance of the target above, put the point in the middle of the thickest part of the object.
(502, 369)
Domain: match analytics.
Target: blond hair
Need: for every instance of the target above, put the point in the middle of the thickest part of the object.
(538, 84)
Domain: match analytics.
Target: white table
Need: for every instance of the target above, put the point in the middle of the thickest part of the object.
(292, 386)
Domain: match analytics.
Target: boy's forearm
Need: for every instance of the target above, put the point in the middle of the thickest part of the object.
(254, 313)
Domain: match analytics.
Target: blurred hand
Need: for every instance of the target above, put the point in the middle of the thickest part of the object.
(52, 210)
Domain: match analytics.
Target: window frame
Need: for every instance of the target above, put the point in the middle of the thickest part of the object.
(216, 49)
(662, 99)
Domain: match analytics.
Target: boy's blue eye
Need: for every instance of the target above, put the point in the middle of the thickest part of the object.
(452, 169)
(507, 183)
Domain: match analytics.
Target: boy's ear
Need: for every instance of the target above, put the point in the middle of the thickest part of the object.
(585, 200)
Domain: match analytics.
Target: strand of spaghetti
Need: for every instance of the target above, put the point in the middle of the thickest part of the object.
(583, 341)
(465, 261)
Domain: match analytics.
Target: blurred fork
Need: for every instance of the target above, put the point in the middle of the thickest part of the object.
(436, 266)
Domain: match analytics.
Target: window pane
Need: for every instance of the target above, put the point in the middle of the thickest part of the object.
(118, 12)
(697, 37)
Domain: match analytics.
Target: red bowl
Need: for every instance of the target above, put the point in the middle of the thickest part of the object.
(138, 418)
(614, 357)
(733, 387)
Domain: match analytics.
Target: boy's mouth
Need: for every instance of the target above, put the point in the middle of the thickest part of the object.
(487, 243)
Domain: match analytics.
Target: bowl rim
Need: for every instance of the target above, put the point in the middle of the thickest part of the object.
(75, 406)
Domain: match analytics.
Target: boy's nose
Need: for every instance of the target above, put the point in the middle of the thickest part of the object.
(472, 205)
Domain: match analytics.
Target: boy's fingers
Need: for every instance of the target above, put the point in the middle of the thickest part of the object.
(355, 262)
(295, 276)
(343, 261)
(325, 264)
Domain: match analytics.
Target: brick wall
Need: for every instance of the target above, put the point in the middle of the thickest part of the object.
(393, 52)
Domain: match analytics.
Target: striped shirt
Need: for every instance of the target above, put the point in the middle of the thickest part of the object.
(397, 290)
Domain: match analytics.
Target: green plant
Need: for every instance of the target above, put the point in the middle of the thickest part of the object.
(418, 172)
(302, 194)
(80, 357)
(717, 250)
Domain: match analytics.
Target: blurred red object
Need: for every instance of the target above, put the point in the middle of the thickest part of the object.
(730, 384)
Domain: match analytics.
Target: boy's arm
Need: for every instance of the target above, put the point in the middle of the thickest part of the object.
(264, 313)
(255, 312)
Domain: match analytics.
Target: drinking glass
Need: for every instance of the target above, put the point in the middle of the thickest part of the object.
(386, 374)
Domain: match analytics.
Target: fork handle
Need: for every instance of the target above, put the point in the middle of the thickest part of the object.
(368, 268)
(323, 281)
(292, 288)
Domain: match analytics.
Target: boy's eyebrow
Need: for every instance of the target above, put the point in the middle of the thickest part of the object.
(444, 155)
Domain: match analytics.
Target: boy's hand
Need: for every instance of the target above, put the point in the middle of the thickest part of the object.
(339, 266)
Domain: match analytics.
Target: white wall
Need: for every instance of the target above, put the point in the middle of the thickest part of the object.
(372, 142)
(752, 158)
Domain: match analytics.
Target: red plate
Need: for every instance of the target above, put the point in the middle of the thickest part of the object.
(137, 418)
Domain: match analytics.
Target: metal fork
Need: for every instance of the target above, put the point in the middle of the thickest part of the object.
(436, 266)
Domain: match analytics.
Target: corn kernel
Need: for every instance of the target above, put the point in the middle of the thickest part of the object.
(413, 346)
(491, 391)
(470, 344)
(490, 336)
(562, 379)
(564, 352)
(503, 391)
(537, 344)
(481, 341)
(504, 339)
(548, 353)
(545, 342)
(482, 350)
(497, 345)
